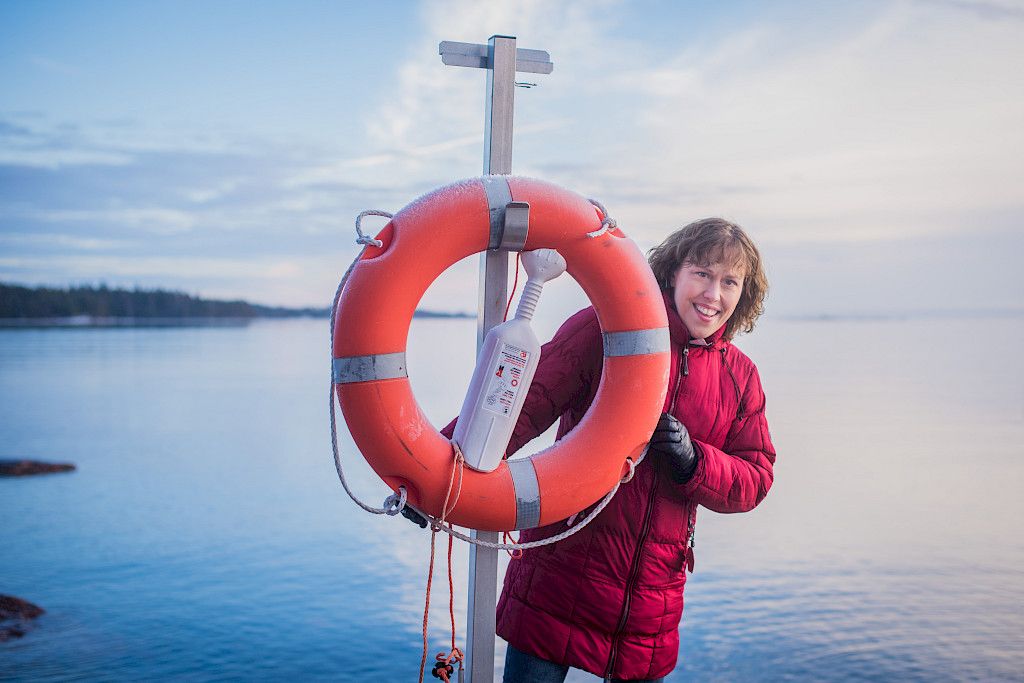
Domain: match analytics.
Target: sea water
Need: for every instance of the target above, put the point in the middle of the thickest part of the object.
(204, 535)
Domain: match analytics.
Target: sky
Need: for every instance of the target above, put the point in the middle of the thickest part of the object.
(874, 150)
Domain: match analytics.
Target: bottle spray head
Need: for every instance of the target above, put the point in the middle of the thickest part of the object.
(542, 265)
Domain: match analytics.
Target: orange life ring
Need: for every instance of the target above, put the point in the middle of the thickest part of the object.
(372, 385)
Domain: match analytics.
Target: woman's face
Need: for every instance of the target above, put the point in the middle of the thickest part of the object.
(705, 296)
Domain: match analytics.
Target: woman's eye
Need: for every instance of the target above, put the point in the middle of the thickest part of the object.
(731, 283)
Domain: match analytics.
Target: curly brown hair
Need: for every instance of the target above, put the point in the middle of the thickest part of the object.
(715, 240)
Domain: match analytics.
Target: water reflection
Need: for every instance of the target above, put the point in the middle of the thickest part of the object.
(205, 536)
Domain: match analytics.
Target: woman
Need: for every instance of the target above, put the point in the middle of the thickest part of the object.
(609, 598)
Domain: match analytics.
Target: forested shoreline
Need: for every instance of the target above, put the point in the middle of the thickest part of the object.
(17, 301)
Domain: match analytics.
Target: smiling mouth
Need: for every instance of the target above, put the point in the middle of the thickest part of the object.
(705, 311)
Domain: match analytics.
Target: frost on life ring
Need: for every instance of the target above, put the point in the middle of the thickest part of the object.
(372, 324)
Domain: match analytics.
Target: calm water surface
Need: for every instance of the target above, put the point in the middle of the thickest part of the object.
(204, 535)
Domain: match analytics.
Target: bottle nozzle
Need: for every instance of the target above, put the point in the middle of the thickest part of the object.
(543, 265)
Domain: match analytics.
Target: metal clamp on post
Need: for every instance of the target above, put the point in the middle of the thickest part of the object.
(510, 221)
(517, 225)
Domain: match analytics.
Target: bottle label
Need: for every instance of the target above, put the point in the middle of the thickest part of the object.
(506, 379)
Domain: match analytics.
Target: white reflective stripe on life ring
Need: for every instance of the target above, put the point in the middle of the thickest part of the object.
(367, 368)
(524, 481)
(636, 342)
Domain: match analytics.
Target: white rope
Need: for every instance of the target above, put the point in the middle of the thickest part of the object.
(550, 539)
(366, 239)
(607, 223)
(394, 503)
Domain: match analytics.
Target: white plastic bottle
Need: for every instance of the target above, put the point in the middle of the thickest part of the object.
(504, 371)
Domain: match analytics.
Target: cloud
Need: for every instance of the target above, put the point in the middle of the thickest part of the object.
(859, 128)
(42, 241)
(220, 222)
(34, 139)
(849, 140)
(29, 139)
(868, 135)
(989, 9)
(847, 128)
(13, 130)
(154, 269)
(155, 220)
(430, 124)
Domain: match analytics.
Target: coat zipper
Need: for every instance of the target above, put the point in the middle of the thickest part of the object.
(645, 530)
(688, 558)
(691, 518)
(684, 370)
(634, 572)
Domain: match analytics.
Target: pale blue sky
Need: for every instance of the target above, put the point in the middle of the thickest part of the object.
(875, 149)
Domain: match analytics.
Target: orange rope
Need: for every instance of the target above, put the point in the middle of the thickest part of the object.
(456, 653)
(446, 660)
(458, 463)
(451, 590)
(506, 537)
(426, 603)
(515, 284)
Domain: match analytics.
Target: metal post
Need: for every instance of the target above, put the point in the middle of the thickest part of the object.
(483, 562)
(501, 59)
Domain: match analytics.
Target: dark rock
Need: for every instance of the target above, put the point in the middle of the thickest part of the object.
(8, 632)
(21, 468)
(14, 612)
(16, 608)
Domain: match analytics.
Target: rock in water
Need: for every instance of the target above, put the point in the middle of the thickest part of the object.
(14, 612)
(21, 468)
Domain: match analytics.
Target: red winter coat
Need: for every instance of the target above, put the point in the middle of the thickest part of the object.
(609, 599)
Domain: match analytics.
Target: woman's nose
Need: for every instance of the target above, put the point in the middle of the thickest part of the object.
(713, 290)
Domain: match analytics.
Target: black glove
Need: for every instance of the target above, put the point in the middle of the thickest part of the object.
(672, 442)
(414, 517)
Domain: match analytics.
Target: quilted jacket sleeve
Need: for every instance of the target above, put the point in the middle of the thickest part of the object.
(737, 477)
(569, 365)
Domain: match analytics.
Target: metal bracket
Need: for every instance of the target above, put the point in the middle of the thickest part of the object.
(477, 56)
(510, 220)
(517, 226)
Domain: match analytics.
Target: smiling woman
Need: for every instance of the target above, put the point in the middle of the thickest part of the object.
(609, 600)
(716, 275)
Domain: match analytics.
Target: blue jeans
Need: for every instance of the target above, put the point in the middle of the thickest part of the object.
(523, 668)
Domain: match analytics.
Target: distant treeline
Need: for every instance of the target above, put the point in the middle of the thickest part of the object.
(103, 302)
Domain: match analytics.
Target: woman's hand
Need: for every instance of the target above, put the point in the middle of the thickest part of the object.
(672, 442)
(414, 517)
